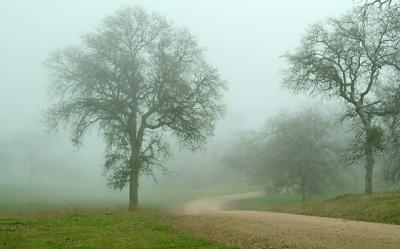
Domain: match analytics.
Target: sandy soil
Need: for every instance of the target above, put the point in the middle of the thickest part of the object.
(256, 229)
(212, 204)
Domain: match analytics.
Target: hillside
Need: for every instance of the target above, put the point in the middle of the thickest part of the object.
(378, 207)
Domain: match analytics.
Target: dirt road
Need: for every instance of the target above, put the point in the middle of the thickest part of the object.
(213, 204)
(256, 229)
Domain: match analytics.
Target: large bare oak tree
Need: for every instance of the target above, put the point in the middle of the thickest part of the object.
(350, 58)
(136, 79)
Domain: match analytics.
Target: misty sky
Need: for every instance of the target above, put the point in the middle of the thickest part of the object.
(244, 40)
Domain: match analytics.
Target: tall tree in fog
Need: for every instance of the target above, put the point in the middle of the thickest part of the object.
(136, 79)
(349, 58)
(245, 155)
(391, 122)
(301, 153)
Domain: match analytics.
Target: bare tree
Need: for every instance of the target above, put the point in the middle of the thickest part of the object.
(391, 123)
(137, 79)
(245, 155)
(379, 3)
(350, 58)
(300, 153)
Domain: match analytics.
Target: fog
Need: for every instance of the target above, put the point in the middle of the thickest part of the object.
(244, 40)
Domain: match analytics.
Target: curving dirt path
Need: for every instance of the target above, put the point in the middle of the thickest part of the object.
(257, 229)
(213, 204)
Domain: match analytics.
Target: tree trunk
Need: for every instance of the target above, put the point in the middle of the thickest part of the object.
(134, 185)
(303, 190)
(368, 150)
(133, 191)
(369, 167)
(304, 196)
(135, 170)
(134, 161)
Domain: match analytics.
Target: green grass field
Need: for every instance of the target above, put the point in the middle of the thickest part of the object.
(378, 207)
(36, 199)
(95, 229)
(52, 218)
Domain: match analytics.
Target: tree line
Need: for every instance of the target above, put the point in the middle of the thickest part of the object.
(354, 58)
(139, 79)
(306, 152)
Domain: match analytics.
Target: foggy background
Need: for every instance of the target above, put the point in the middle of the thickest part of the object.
(243, 39)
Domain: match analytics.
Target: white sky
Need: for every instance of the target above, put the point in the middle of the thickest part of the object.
(244, 40)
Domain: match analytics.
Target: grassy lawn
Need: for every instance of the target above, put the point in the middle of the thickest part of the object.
(95, 229)
(36, 217)
(25, 200)
(36, 199)
(378, 207)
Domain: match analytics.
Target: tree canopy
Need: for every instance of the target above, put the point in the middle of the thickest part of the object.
(137, 79)
(351, 58)
(296, 152)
